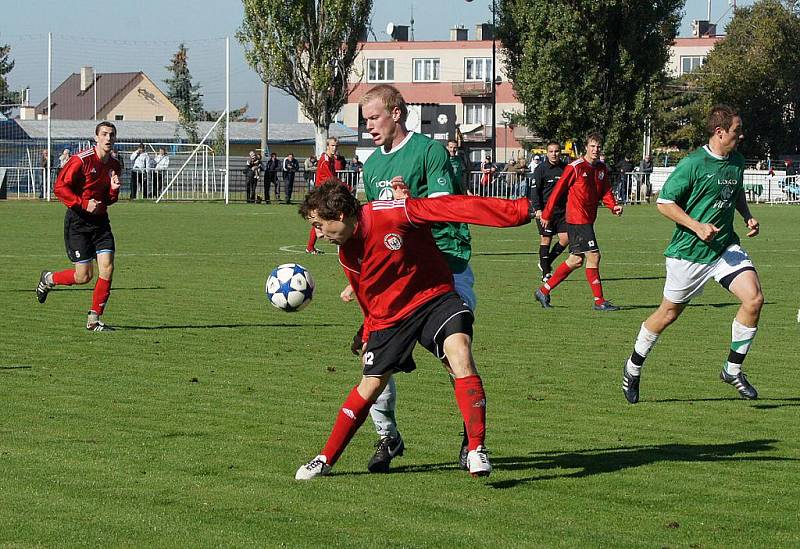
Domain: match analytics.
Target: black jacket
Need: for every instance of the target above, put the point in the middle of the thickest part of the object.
(545, 177)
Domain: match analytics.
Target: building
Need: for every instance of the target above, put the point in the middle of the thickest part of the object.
(105, 96)
(689, 53)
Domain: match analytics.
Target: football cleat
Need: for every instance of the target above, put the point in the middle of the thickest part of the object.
(44, 287)
(605, 306)
(739, 381)
(387, 448)
(630, 385)
(315, 251)
(546, 277)
(317, 467)
(462, 455)
(543, 298)
(478, 462)
(98, 326)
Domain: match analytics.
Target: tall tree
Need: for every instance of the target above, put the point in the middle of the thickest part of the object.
(6, 64)
(678, 116)
(184, 94)
(306, 48)
(755, 69)
(579, 65)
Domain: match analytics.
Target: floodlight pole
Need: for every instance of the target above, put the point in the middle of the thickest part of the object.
(227, 117)
(494, 84)
(46, 176)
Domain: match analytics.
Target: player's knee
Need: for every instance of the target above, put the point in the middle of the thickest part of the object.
(755, 302)
(575, 261)
(82, 277)
(371, 387)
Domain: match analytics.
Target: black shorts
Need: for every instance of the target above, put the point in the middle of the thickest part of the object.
(582, 239)
(84, 239)
(557, 225)
(391, 349)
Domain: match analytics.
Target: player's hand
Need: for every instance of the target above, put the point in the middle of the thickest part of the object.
(617, 210)
(93, 205)
(752, 224)
(706, 232)
(115, 184)
(545, 222)
(358, 345)
(538, 215)
(347, 294)
(399, 188)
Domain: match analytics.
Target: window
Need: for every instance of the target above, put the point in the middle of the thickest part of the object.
(477, 155)
(477, 113)
(426, 70)
(380, 70)
(159, 118)
(119, 117)
(691, 62)
(478, 69)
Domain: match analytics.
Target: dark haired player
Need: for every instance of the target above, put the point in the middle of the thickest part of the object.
(586, 182)
(87, 185)
(700, 196)
(545, 178)
(406, 292)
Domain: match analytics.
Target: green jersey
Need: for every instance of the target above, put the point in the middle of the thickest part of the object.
(706, 187)
(458, 171)
(426, 170)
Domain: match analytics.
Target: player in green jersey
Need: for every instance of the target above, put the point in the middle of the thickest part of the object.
(420, 166)
(459, 166)
(700, 196)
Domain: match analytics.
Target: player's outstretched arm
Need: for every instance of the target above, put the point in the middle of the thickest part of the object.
(490, 212)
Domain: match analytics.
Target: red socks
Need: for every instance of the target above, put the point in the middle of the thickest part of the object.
(472, 402)
(102, 289)
(593, 276)
(351, 415)
(64, 278)
(312, 240)
(558, 277)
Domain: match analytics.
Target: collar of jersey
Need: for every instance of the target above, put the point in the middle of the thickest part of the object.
(400, 146)
(712, 155)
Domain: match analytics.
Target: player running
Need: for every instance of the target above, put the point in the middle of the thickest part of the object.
(586, 182)
(87, 185)
(545, 178)
(700, 196)
(406, 292)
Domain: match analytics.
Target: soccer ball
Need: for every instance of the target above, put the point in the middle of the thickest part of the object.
(290, 287)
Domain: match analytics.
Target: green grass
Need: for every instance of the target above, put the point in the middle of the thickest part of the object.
(184, 428)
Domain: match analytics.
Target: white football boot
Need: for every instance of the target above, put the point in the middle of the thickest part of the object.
(317, 467)
(478, 462)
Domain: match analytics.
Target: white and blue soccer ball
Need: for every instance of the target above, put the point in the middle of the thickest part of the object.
(290, 287)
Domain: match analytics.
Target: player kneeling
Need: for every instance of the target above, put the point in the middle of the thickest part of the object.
(406, 291)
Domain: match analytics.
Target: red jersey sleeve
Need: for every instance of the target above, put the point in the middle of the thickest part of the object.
(70, 180)
(477, 210)
(567, 178)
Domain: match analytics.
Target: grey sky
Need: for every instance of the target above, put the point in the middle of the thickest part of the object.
(123, 36)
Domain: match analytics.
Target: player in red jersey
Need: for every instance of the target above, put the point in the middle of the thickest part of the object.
(586, 182)
(405, 289)
(87, 185)
(326, 169)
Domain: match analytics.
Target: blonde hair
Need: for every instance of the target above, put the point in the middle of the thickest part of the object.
(389, 96)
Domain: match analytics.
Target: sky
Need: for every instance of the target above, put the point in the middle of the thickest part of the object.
(125, 36)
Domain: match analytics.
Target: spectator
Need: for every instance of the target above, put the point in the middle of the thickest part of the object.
(488, 170)
(139, 162)
(252, 175)
(43, 160)
(354, 168)
(273, 165)
(623, 190)
(459, 166)
(160, 165)
(290, 168)
(535, 161)
(645, 170)
(309, 170)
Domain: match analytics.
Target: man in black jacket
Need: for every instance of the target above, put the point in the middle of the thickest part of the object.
(544, 180)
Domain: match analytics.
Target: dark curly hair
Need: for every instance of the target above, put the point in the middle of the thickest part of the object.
(330, 200)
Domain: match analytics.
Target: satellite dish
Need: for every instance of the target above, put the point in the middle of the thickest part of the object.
(390, 29)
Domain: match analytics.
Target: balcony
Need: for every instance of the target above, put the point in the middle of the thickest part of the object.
(475, 132)
(472, 89)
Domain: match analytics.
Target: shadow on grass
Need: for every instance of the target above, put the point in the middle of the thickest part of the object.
(16, 367)
(611, 460)
(633, 278)
(83, 288)
(503, 253)
(214, 326)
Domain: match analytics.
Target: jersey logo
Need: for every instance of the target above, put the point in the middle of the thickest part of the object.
(601, 175)
(585, 174)
(440, 181)
(349, 413)
(92, 171)
(726, 192)
(393, 241)
(386, 194)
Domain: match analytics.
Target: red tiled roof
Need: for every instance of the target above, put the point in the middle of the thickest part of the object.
(70, 103)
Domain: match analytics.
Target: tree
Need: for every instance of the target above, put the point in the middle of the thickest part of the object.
(307, 49)
(755, 69)
(678, 116)
(6, 96)
(184, 94)
(579, 65)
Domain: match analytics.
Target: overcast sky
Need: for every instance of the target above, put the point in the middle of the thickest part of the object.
(125, 36)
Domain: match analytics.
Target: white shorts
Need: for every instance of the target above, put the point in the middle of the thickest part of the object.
(686, 279)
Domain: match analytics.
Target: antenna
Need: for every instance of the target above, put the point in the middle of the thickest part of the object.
(412, 22)
(390, 29)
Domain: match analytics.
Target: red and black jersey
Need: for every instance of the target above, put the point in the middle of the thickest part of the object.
(585, 185)
(392, 261)
(84, 177)
(326, 169)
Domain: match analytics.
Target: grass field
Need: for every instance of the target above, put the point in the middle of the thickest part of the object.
(184, 428)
